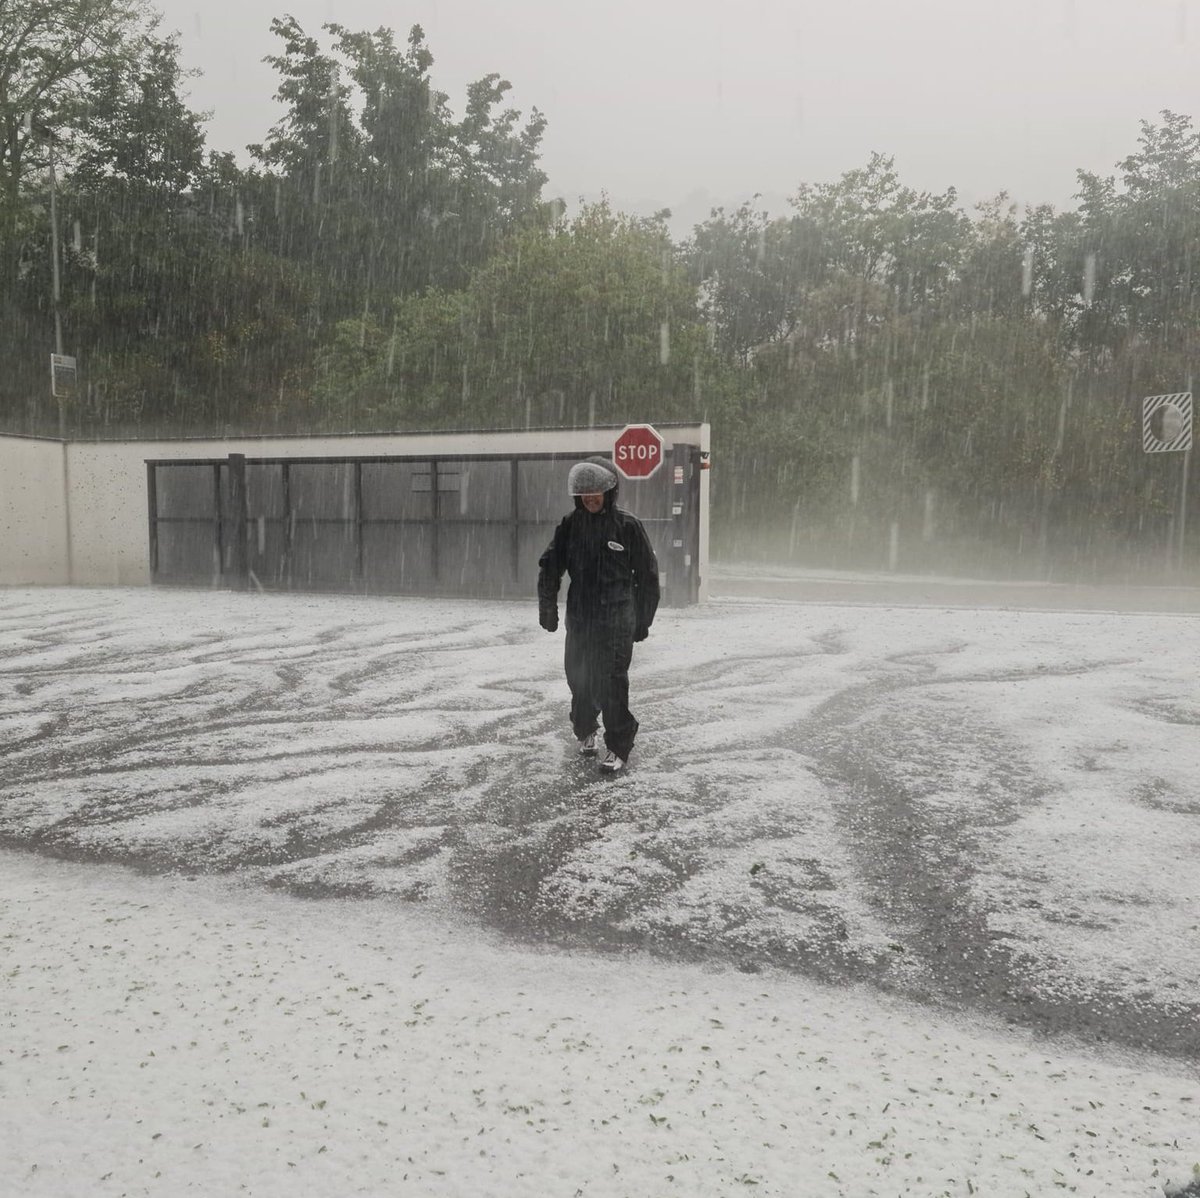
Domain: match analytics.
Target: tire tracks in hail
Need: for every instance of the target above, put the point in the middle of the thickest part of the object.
(918, 860)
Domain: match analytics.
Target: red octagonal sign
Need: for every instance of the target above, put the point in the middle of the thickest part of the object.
(638, 451)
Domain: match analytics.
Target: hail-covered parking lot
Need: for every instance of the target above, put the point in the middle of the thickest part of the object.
(837, 819)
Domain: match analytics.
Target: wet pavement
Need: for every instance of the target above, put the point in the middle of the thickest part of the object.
(731, 582)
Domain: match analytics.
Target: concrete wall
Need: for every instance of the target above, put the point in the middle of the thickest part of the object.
(33, 512)
(101, 537)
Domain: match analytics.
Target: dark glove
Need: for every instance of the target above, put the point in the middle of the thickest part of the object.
(641, 632)
(548, 618)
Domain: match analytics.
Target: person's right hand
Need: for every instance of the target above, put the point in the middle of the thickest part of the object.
(548, 618)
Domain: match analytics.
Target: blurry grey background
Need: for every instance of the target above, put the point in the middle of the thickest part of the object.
(691, 103)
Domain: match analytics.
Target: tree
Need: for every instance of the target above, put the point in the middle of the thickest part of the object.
(50, 50)
(101, 92)
(754, 273)
(592, 321)
(874, 228)
(375, 183)
(761, 275)
(137, 129)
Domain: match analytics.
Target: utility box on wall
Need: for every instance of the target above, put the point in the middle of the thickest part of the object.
(471, 524)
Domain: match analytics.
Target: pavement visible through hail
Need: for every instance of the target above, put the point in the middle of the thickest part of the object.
(784, 808)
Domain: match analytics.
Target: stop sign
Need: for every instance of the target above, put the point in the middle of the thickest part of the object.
(638, 451)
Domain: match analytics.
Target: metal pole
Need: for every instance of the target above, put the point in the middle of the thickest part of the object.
(239, 549)
(1183, 482)
(58, 338)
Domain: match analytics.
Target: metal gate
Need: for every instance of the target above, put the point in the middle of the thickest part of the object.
(466, 525)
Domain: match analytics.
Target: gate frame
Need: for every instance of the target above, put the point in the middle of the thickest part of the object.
(683, 557)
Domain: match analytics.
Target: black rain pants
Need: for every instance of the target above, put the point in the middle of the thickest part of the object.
(599, 650)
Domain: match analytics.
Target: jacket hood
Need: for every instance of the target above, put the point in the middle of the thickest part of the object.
(593, 476)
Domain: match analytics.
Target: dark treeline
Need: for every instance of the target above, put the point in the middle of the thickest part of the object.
(890, 380)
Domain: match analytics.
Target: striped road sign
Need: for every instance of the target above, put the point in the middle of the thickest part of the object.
(1167, 422)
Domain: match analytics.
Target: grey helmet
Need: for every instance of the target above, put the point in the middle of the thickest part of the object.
(593, 477)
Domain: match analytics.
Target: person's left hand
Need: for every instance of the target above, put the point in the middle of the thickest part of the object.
(641, 633)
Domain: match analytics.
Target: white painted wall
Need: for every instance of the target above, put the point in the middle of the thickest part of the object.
(100, 535)
(33, 512)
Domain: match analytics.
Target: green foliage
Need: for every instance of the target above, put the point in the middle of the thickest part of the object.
(318, 130)
(199, 292)
(753, 273)
(50, 52)
(913, 375)
(591, 322)
(85, 85)
(370, 179)
(136, 128)
(873, 228)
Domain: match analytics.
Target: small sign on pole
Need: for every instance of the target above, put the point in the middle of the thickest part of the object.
(1167, 422)
(1167, 428)
(62, 376)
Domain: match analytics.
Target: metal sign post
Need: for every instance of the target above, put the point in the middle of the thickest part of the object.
(1167, 428)
(1183, 482)
(58, 356)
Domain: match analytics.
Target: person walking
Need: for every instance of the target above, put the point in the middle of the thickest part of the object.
(611, 601)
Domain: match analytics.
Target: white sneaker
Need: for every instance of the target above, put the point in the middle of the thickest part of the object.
(611, 763)
(587, 746)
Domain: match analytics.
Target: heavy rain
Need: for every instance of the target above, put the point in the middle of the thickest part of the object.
(880, 326)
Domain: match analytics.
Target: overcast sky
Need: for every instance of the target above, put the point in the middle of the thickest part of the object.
(688, 103)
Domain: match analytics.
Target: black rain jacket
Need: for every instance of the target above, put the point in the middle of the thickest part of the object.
(610, 561)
